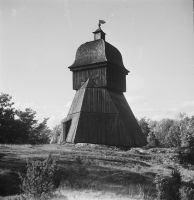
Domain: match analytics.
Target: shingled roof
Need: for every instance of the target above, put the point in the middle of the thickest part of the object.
(97, 51)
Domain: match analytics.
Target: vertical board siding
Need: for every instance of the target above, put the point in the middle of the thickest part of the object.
(134, 130)
(116, 79)
(96, 128)
(97, 100)
(98, 75)
(106, 129)
(103, 77)
(120, 103)
(102, 116)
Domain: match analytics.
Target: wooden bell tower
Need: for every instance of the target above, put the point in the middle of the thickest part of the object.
(99, 113)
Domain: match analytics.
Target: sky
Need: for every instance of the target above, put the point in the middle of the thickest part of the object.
(39, 40)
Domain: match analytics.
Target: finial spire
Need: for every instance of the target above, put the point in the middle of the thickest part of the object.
(101, 22)
(99, 34)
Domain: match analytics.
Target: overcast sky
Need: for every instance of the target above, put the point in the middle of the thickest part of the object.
(39, 40)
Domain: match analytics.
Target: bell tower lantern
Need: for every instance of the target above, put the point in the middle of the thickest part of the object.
(99, 113)
(99, 34)
(100, 61)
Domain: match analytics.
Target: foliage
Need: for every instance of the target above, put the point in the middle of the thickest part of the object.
(173, 137)
(188, 137)
(81, 167)
(144, 125)
(173, 133)
(32, 132)
(168, 188)
(191, 124)
(187, 140)
(18, 127)
(7, 113)
(176, 184)
(55, 133)
(187, 191)
(182, 157)
(186, 157)
(152, 140)
(161, 130)
(40, 181)
(152, 125)
(183, 120)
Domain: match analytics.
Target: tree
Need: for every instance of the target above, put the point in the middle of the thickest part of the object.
(7, 113)
(56, 132)
(183, 121)
(152, 140)
(191, 124)
(186, 125)
(161, 130)
(42, 132)
(168, 188)
(32, 131)
(40, 180)
(152, 125)
(173, 138)
(18, 126)
(187, 140)
(143, 123)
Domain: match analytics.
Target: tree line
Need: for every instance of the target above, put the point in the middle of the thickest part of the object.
(178, 132)
(20, 127)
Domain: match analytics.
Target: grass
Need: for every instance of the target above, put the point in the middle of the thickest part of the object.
(90, 171)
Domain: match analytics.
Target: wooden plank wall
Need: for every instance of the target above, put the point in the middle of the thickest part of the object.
(109, 129)
(116, 79)
(97, 100)
(102, 116)
(120, 103)
(98, 75)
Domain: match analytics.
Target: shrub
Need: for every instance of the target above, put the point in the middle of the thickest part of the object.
(187, 139)
(81, 167)
(186, 157)
(176, 184)
(168, 188)
(152, 140)
(40, 180)
(187, 193)
(173, 138)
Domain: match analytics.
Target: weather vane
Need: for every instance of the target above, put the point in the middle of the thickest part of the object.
(101, 22)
